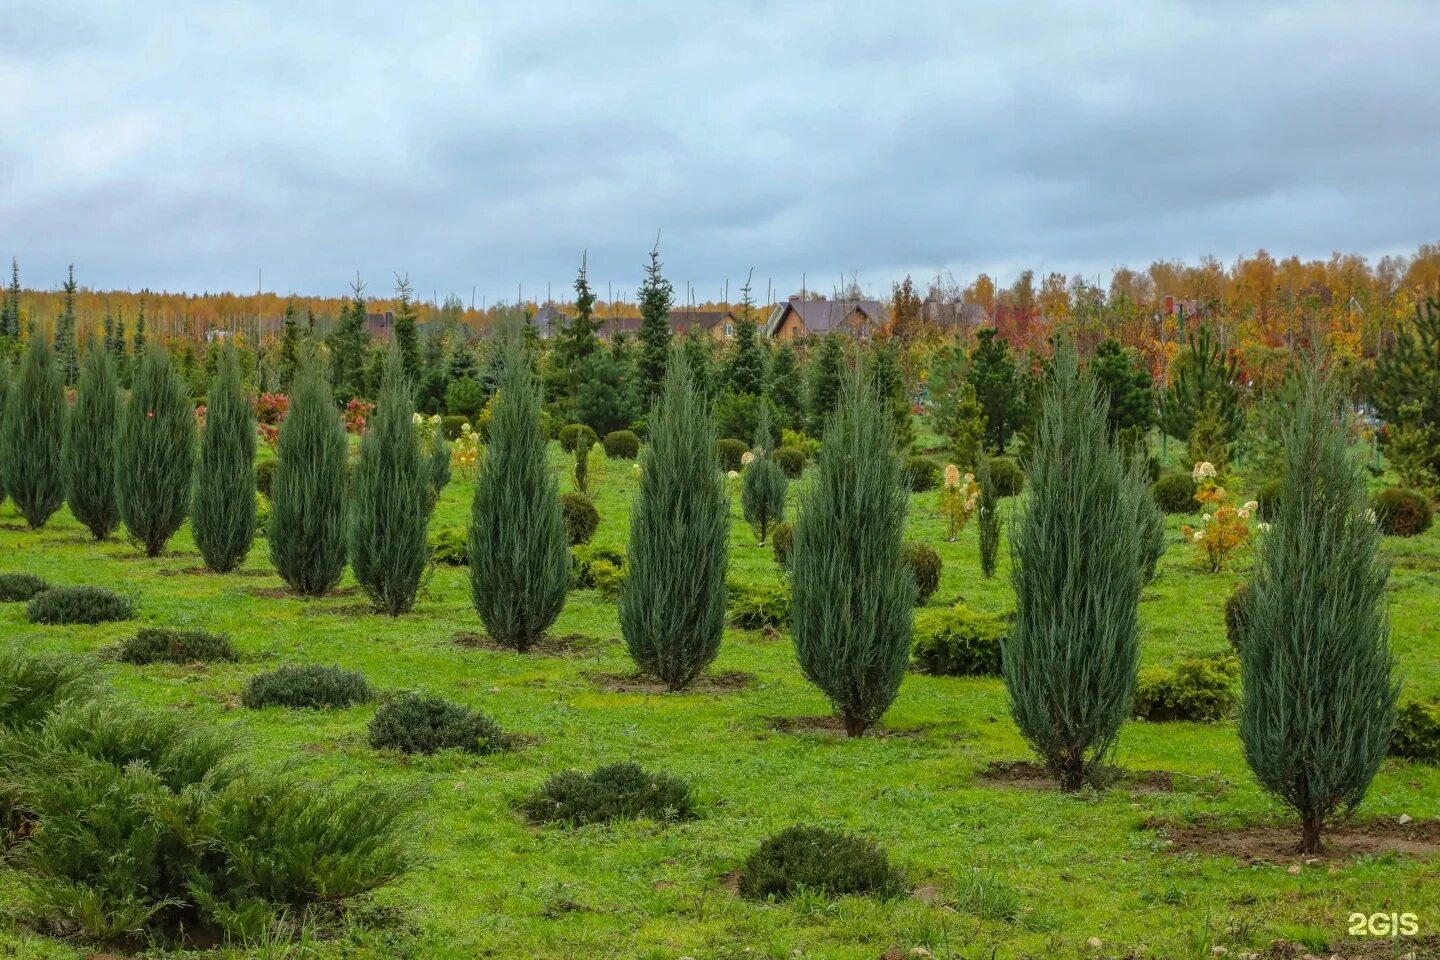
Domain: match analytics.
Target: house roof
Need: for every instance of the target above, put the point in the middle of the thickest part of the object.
(682, 319)
(823, 316)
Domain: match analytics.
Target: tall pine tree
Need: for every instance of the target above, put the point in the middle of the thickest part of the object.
(407, 329)
(31, 436)
(88, 455)
(656, 297)
(1000, 388)
(825, 382)
(10, 311)
(155, 454)
(66, 353)
(222, 512)
(1203, 377)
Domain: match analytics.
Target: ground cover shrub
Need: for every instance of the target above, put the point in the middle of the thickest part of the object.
(32, 685)
(790, 460)
(1175, 492)
(1417, 732)
(1402, 513)
(309, 686)
(730, 450)
(818, 860)
(450, 547)
(621, 445)
(422, 723)
(1007, 476)
(610, 563)
(581, 517)
(757, 606)
(921, 473)
(959, 642)
(925, 566)
(168, 645)
(619, 791)
(574, 435)
(1200, 689)
(1236, 615)
(19, 587)
(89, 605)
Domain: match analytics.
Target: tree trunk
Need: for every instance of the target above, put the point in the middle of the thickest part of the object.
(1310, 833)
(854, 724)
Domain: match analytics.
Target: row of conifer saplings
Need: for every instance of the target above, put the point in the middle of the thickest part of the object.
(1316, 657)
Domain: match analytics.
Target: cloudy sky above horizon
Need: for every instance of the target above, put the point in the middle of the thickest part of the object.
(485, 145)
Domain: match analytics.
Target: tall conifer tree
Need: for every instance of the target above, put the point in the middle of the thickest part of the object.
(349, 346)
(66, 353)
(825, 382)
(89, 448)
(222, 514)
(762, 491)
(31, 436)
(407, 329)
(10, 312)
(288, 359)
(656, 297)
(155, 454)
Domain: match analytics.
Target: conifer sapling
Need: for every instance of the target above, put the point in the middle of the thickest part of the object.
(762, 492)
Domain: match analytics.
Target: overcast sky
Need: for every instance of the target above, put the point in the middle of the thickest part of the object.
(486, 143)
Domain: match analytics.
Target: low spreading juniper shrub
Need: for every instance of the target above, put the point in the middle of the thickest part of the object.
(168, 645)
(1200, 689)
(422, 723)
(925, 566)
(20, 587)
(621, 445)
(959, 642)
(619, 791)
(730, 451)
(1237, 615)
(308, 686)
(922, 473)
(1175, 492)
(1007, 476)
(581, 517)
(32, 685)
(818, 860)
(88, 605)
(1402, 513)
(790, 460)
(757, 606)
(1417, 732)
(451, 547)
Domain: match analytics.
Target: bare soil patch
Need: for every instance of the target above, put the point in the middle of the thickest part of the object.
(569, 645)
(1028, 775)
(1280, 844)
(724, 682)
(833, 726)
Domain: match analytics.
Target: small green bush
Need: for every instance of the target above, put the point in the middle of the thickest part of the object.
(782, 541)
(450, 547)
(1007, 476)
(33, 685)
(730, 450)
(921, 473)
(1266, 499)
(582, 576)
(621, 445)
(925, 565)
(1417, 732)
(1236, 615)
(1200, 689)
(790, 460)
(306, 687)
(421, 723)
(453, 425)
(572, 434)
(755, 607)
(619, 791)
(78, 605)
(20, 587)
(818, 860)
(1402, 513)
(960, 643)
(581, 517)
(167, 645)
(1175, 492)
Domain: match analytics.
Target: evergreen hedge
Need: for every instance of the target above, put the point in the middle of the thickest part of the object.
(155, 453)
(222, 512)
(88, 452)
(31, 436)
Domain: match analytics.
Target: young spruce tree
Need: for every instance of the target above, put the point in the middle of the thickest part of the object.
(391, 504)
(1318, 687)
(222, 512)
(306, 530)
(1071, 662)
(31, 436)
(762, 492)
(519, 556)
(672, 603)
(88, 453)
(155, 454)
(853, 594)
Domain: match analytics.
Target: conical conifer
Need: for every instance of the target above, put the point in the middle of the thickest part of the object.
(31, 436)
(222, 514)
(762, 492)
(89, 448)
(989, 515)
(155, 454)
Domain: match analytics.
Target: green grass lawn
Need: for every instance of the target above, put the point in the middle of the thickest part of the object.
(999, 871)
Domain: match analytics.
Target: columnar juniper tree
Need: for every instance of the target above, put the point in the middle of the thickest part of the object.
(989, 517)
(672, 603)
(439, 463)
(306, 530)
(1318, 687)
(222, 512)
(762, 493)
(155, 454)
(88, 454)
(853, 593)
(31, 436)
(1071, 661)
(519, 556)
(391, 504)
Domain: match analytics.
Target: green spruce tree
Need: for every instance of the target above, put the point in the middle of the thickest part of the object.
(577, 341)
(1406, 387)
(699, 353)
(287, 360)
(745, 368)
(306, 530)
(31, 436)
(66, 354)
(785, 389)
(889, 380)
(4, 399)
(222, 509)
(825, 382)
(762, 492)
(657, 296)
(1318, 686)
(672, 602)
(1126, 385)
(407, 329)
(1000, 388)
(10, 311)
(88, 454)
(349, 345)
(853, 594)
(1070, 665)
(155, 454)
(519, 557)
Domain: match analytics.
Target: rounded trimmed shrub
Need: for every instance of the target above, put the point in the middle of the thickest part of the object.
(1417, 732)
(423, 723)
(451, 547)
(621, 445)
(1237, 615)
(581, 517)
(730, 451)
(791, 460)
(1007, 476)
(78, 605)
(453, 425)
(307, 686)
(782, 541)
(925, 565)
(1402, 513)
(1266, 498)
(1200, 689)
(1175, 492)
(20, 587)
(168, 645)
(818, 860)
(619, 791)
(573, 434)
(960, 643)
(922, 473)
(265, 476)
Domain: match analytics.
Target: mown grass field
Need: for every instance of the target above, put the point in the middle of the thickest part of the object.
(998, 871)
